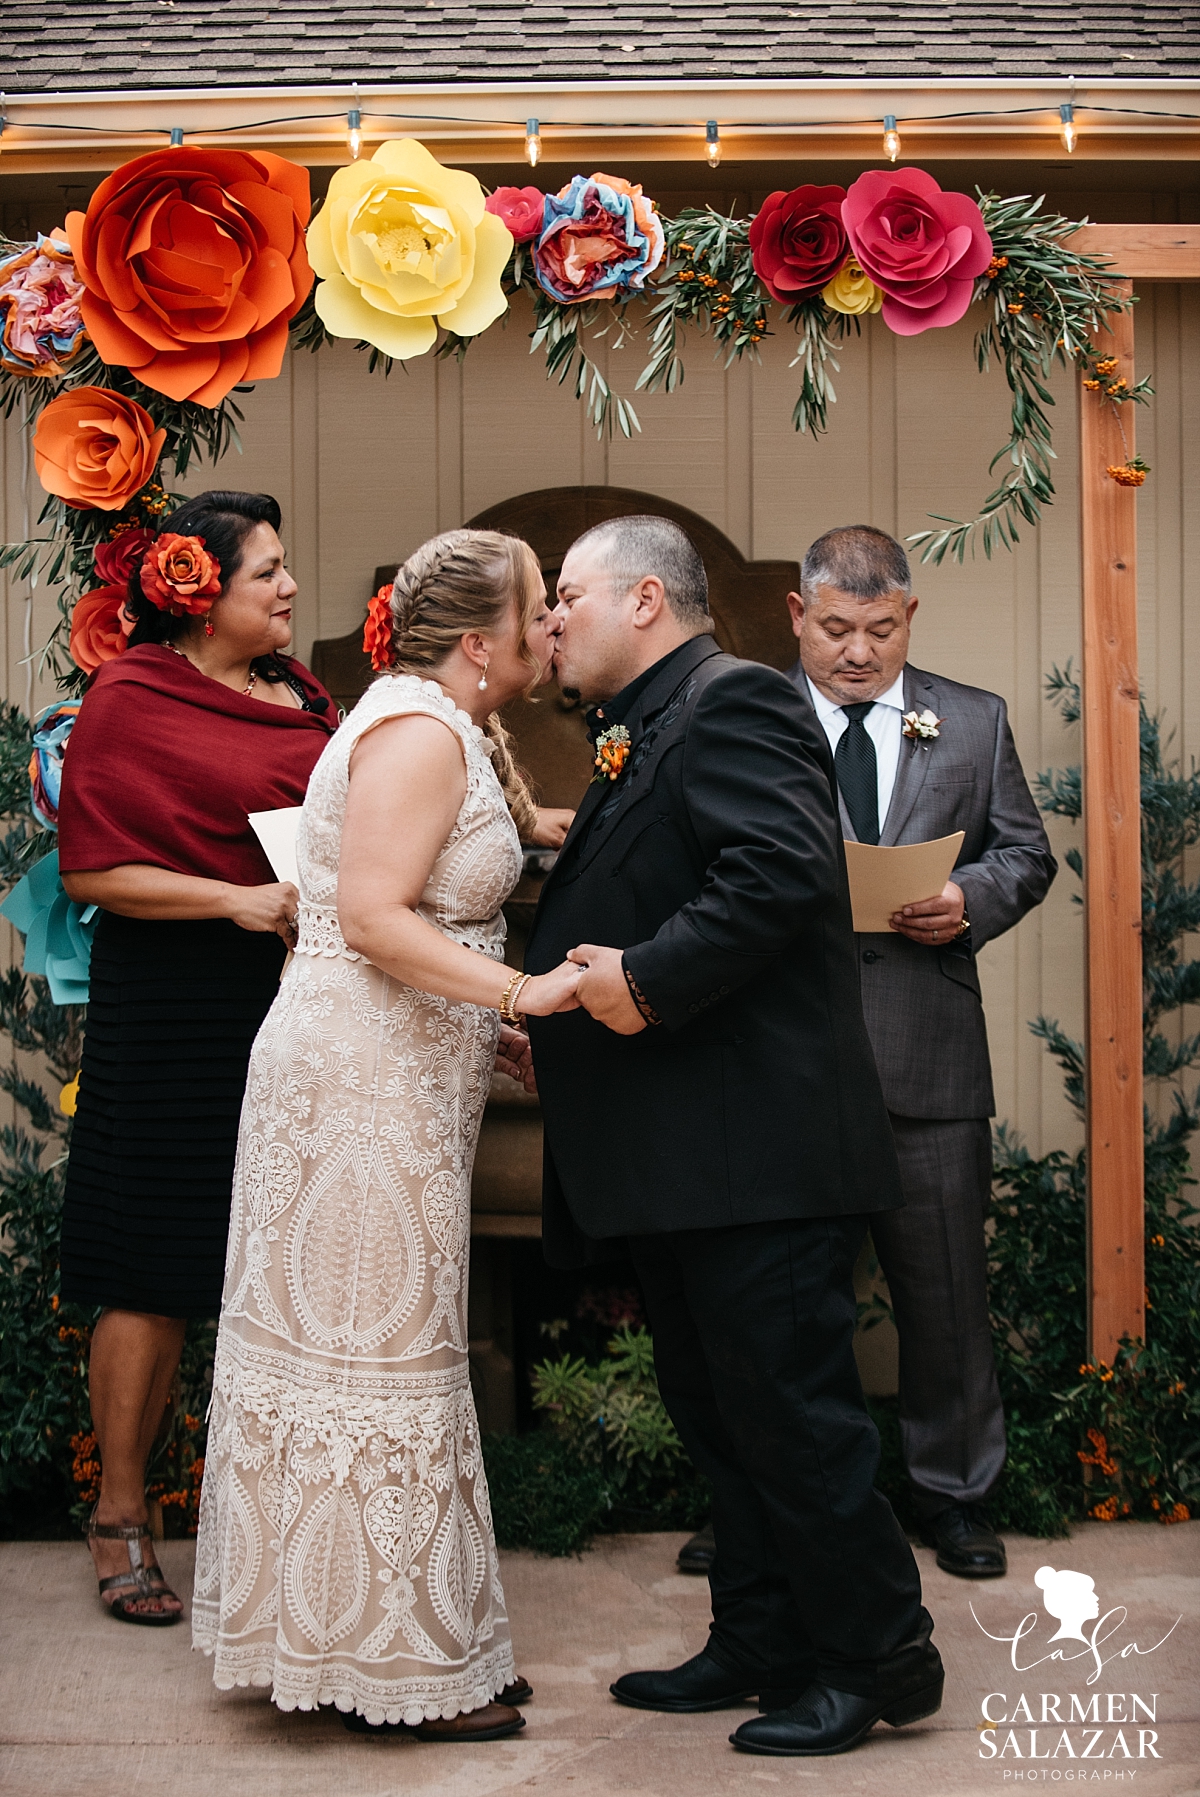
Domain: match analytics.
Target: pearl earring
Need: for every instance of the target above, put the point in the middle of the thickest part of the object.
(483, 679)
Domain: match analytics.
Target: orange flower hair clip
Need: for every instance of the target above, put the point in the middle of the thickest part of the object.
(178, 575)
(377, 631)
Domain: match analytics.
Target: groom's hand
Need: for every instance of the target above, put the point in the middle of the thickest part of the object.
(515, 1057)
(602, 990)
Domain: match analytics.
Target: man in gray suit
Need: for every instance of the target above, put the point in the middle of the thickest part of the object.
(921, 999)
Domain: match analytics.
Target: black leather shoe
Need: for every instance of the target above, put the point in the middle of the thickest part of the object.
(825, 1721)
(699, 1684)
(697, 1555)
(966, 1542)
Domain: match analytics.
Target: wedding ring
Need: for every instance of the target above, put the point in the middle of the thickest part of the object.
(935, 935)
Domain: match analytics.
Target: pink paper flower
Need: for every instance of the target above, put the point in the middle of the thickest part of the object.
(41, 325)
(923, 247)
(520, 208)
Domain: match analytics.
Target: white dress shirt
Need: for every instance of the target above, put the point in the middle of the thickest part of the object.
(883, 727)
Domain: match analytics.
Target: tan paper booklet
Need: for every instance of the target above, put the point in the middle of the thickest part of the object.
(884, 880)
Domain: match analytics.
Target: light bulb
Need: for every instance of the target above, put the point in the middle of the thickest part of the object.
(712, 144)
(1068, 131)
(891, 137)
(533, 142)
(354, 132)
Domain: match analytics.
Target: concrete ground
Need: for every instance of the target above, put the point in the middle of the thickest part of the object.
(93, 1708)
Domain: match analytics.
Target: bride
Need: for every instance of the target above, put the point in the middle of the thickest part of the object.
(346, 1552)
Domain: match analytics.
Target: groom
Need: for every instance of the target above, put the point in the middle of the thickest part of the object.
(716, 1103)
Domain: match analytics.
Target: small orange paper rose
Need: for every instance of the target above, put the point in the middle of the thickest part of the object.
(193, 261)
(377, 631)
(93, 447)
(178, 575)
(100, 628)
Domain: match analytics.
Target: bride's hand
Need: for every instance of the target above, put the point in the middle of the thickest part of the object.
(545, 993)
(551, 829)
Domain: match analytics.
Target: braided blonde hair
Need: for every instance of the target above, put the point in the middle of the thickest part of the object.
(466, 580)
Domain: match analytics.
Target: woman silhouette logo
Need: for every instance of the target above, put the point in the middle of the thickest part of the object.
(1070, 1597)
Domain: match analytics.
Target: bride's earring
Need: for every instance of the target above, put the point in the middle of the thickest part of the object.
(483, 679)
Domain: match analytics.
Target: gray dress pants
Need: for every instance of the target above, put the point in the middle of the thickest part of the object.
(934, 1259)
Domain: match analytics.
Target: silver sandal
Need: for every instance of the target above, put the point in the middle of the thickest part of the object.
(141, 1581)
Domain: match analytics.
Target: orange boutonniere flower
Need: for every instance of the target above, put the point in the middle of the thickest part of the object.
(377, 631)
(178, 575)
(612, 752)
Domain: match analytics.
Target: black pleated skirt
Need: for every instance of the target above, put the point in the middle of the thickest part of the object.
(173, 1012)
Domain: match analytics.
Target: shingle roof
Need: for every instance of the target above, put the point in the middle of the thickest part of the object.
(107, 45)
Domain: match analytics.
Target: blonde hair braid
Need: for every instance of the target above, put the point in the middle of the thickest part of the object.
(460, 581)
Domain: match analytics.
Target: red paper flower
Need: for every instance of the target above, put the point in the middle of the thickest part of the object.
(520, 208)
(178, 575)
(377, 631)
(923, 247)
(115, 561)
(100, 627)
(798, 241)
(193, 262)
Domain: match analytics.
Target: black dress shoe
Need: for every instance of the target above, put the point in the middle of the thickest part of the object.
(825, 1721)
(701, 1683)
(697, 1555)
(966, 1542)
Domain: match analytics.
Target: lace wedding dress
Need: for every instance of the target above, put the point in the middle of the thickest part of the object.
(346, 1552)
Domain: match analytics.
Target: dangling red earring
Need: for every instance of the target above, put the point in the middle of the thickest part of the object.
(208, 627)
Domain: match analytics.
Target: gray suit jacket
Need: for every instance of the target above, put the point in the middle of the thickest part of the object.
(922, 1006)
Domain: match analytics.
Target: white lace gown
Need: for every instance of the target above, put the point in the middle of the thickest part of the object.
(346, 1552)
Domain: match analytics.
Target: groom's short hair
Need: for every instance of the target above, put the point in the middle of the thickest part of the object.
(856, 559)
(629, 549)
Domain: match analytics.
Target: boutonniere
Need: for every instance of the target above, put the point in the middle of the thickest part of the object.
(922, 726)
(612, 752)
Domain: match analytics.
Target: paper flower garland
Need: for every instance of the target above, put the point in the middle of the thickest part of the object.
(403, 245)
(193, 263)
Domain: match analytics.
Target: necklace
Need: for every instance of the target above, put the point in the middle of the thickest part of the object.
(246, 690)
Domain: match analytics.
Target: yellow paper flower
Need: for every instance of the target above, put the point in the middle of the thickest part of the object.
(852, 291)
(401, 242)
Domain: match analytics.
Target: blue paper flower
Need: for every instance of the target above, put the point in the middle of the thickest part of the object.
(51, 729)
(58, 932)
(600, 238)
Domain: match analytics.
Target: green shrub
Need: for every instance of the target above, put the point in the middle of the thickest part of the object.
(543, 1495)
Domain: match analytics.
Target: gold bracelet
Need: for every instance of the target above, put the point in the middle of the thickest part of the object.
(512, 992)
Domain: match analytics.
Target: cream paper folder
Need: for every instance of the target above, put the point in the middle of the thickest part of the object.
(276, 831)
(884, 880)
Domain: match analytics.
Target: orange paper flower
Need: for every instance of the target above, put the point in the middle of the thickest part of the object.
(93, 447)
(100, 628)
(193, 262)
(377, 631)
(178, 575)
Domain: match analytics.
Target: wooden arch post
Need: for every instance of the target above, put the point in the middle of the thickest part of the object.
(1112, 807)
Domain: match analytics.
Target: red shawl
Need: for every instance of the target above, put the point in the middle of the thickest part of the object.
(163, 765)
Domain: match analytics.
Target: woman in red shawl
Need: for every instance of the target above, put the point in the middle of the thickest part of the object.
(202, 720)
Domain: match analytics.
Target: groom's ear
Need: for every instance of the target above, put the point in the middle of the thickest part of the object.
(650, 598)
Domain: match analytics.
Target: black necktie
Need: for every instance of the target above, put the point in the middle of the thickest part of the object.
(857, 774)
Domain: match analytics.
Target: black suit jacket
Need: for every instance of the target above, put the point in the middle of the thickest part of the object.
(923, 1006)
(716, 862)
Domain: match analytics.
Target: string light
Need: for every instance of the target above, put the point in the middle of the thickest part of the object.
(533, 142)
(891, 137)
(176, 137)
(354, 133)
(712, 144)
(1068, 131)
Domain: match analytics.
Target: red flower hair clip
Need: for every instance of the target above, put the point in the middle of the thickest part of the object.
(377, 632)
(178, 575)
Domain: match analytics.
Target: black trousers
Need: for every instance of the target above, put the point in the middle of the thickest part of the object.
(753, 1345)
(934, 1258)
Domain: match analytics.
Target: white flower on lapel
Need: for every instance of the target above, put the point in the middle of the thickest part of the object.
(923, 726)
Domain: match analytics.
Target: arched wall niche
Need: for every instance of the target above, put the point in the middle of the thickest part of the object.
(748, 601)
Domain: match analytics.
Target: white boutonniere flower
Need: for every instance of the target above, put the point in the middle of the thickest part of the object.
(922, 726)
